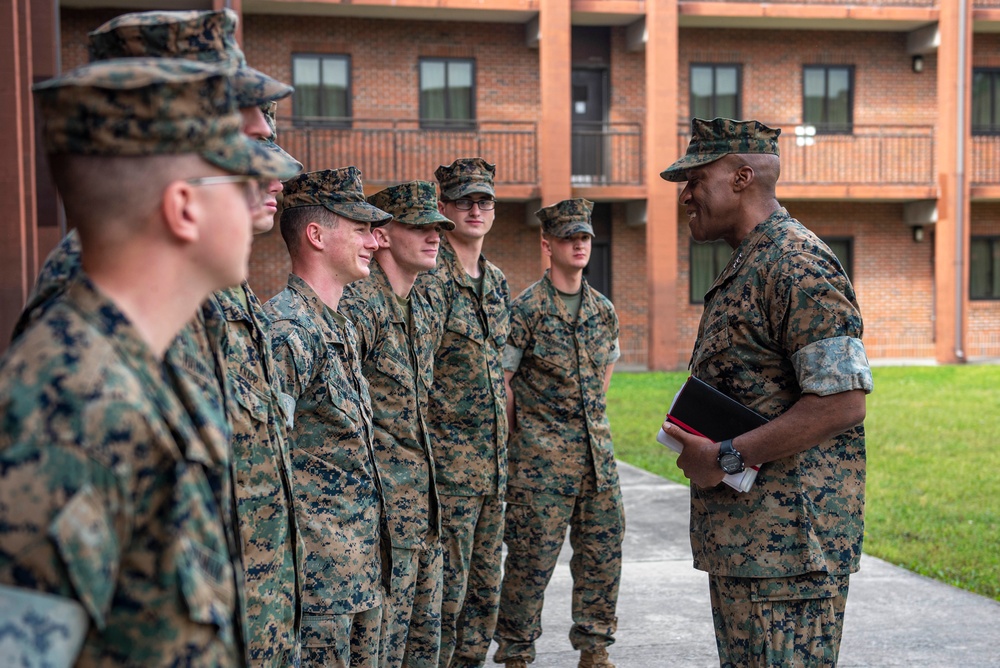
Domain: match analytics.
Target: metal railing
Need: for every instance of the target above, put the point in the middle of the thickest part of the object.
(607, 153)
(896, 155)
(858, 3)
(985, 157)
(396, 150)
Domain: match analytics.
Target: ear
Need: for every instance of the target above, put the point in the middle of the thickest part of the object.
(546, 247)
(441, 207)
(742, 178)
(314, 235)
(381, 236)
(182, 211)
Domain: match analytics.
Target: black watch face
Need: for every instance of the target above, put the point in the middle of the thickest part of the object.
(731, 463)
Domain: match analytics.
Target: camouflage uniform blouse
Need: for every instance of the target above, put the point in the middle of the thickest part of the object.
(781, 320)
(109, 496)
(562, 437)
(467, 404)
(398, 375)
(336, 485)
(272, 550)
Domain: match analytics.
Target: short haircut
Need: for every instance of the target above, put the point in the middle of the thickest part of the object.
(100, 191)
(294, 222)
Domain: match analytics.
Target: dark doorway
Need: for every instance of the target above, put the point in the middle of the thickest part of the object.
(598, 272)
(590, 107)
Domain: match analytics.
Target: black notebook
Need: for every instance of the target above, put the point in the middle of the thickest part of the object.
(701, 409)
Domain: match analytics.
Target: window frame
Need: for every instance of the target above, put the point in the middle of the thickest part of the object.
(327, 121)
(847, 265)
(739, 88)
(994, 125)
(825, 127)
(472, 122)
(692, 244)
(994, 243)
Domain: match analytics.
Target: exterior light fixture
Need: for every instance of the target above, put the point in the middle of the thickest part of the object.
(918, 63)
(805, 135)
(918, 233)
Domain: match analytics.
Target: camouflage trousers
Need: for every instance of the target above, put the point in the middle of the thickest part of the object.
(472, 540)
(795, 621)
(411, 614)
(534, 533)
(342, 641)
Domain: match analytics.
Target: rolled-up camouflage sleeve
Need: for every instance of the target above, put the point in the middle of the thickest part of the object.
(517, 342)
(820, 326)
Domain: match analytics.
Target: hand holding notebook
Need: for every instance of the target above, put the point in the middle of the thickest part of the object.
(700, 409)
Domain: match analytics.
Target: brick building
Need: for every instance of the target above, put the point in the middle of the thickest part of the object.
(890, 114)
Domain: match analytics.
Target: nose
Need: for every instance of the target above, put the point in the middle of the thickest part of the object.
(370, 242)
(274, 187)
(685, 195)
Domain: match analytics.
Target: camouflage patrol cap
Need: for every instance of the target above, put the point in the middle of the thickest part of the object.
(270, 142)
(338, 190)
(464, 177)
(710, 140)
(206, 36)
(152, 106)
(413, 203)
(567, 218)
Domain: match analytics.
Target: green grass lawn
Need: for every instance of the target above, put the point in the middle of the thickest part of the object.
(933, 436)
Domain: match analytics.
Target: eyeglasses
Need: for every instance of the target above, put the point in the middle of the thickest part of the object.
(251, 186)
(466, 204)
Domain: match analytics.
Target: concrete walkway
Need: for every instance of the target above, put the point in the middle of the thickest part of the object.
(894, 617)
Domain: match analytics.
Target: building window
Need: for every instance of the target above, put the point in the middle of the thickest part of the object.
(828, 98)
(707, 262)
(715, 91)
(447, 93)
(322, 88)
(984, 268)
(843, 248)
(986, 101)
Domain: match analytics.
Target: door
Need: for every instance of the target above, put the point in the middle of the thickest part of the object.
(589, 132)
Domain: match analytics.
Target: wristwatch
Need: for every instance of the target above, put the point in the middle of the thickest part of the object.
(730, 460)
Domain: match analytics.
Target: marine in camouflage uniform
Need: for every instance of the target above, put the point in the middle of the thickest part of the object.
(563, 345)
(397, 359)
(466, 413)
(116, 548)
(223, 357)
(781, 334)
(338, 494)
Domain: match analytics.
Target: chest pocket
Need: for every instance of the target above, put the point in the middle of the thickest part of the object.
(395, 368)
(249, 397)
(554, 353)
(205, 575)
(497, 318)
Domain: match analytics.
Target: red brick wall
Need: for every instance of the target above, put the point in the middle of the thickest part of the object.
(983, 333)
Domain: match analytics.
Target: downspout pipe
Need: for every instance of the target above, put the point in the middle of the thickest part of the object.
(960, 221)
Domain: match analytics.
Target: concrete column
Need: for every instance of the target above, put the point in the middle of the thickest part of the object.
(555, 68)
(951, 234)
(661, 216)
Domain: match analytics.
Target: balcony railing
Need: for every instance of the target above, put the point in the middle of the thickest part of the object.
(872, 155)
(857, 3)
(393, 150)
(985, 160)
(607, 154)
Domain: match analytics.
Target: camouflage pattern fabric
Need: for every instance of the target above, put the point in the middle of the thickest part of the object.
(472, 540)
(535, 529)
(464, 177)
(108, 494)
(411, 615)
(270, 142)
(273, 553)
(397, 359)
(59, 269)
(153, 106)
(467, 404)
(763, 622)
(467, 422)
(568, 217)
(204, 36)
(338, 493)
(562, 466)
(343, 641)
(562, 434)
(412, 203)
(782, 319)
(338, 190)
(710, 140)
